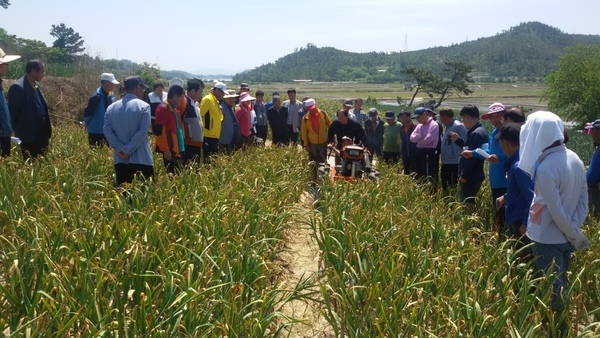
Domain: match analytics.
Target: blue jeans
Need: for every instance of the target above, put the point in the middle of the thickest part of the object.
(558, 258)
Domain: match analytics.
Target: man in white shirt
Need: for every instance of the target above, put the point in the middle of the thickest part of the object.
(156, 97)
(293, 106)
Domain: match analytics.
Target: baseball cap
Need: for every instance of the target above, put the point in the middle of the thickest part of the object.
(373, 112)
(593, 125)
(309, 104)
(390, 114)
(220, 86)
(494, 108)
(245, 86)
(133, 81)
(348, 103)
(420, 111)
(7, 58)
(510, 131)
(110, 77)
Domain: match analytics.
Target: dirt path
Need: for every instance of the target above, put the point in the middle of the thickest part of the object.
(301, 260)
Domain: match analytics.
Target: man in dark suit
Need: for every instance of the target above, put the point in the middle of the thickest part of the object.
(29, 111)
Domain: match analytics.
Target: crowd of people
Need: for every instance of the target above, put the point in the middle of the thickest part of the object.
(539, 187)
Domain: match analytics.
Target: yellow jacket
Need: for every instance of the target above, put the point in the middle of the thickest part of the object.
(309, 135)
(211, 115)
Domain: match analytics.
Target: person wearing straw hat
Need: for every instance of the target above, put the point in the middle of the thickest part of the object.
(93, 115)
(29, 111)
(5, 126)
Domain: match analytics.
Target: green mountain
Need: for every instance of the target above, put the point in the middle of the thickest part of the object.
(527, 52)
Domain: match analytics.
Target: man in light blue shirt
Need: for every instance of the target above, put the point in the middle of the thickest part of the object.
(450, 151)
(126, 125)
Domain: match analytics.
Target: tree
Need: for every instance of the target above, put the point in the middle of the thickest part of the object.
(423, 77)
(4, 3)
(8, 42)
(455, 79)
(573, 89)
(148, 72)
(67, 40)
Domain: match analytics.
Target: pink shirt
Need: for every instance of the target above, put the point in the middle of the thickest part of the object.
(426, 135)
(245, 121)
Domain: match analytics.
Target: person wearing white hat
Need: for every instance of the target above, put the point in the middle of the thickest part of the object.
(93, 115)
(212, 118)
(29, 111)
(5, 126)
(313, 130)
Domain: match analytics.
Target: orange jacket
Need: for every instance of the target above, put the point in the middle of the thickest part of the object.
(167, 123)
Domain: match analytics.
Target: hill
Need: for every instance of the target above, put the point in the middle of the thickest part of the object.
(527, 52)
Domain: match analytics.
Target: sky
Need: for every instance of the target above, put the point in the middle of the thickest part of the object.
(226, 37)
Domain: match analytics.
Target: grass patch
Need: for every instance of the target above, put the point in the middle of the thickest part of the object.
(193, 256)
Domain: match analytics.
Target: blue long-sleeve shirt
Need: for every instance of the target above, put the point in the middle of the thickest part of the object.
(593, 173)
(126, 125)
(497, 172)
(519, 191)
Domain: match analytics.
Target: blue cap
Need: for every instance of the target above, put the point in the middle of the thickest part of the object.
(420, 111)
